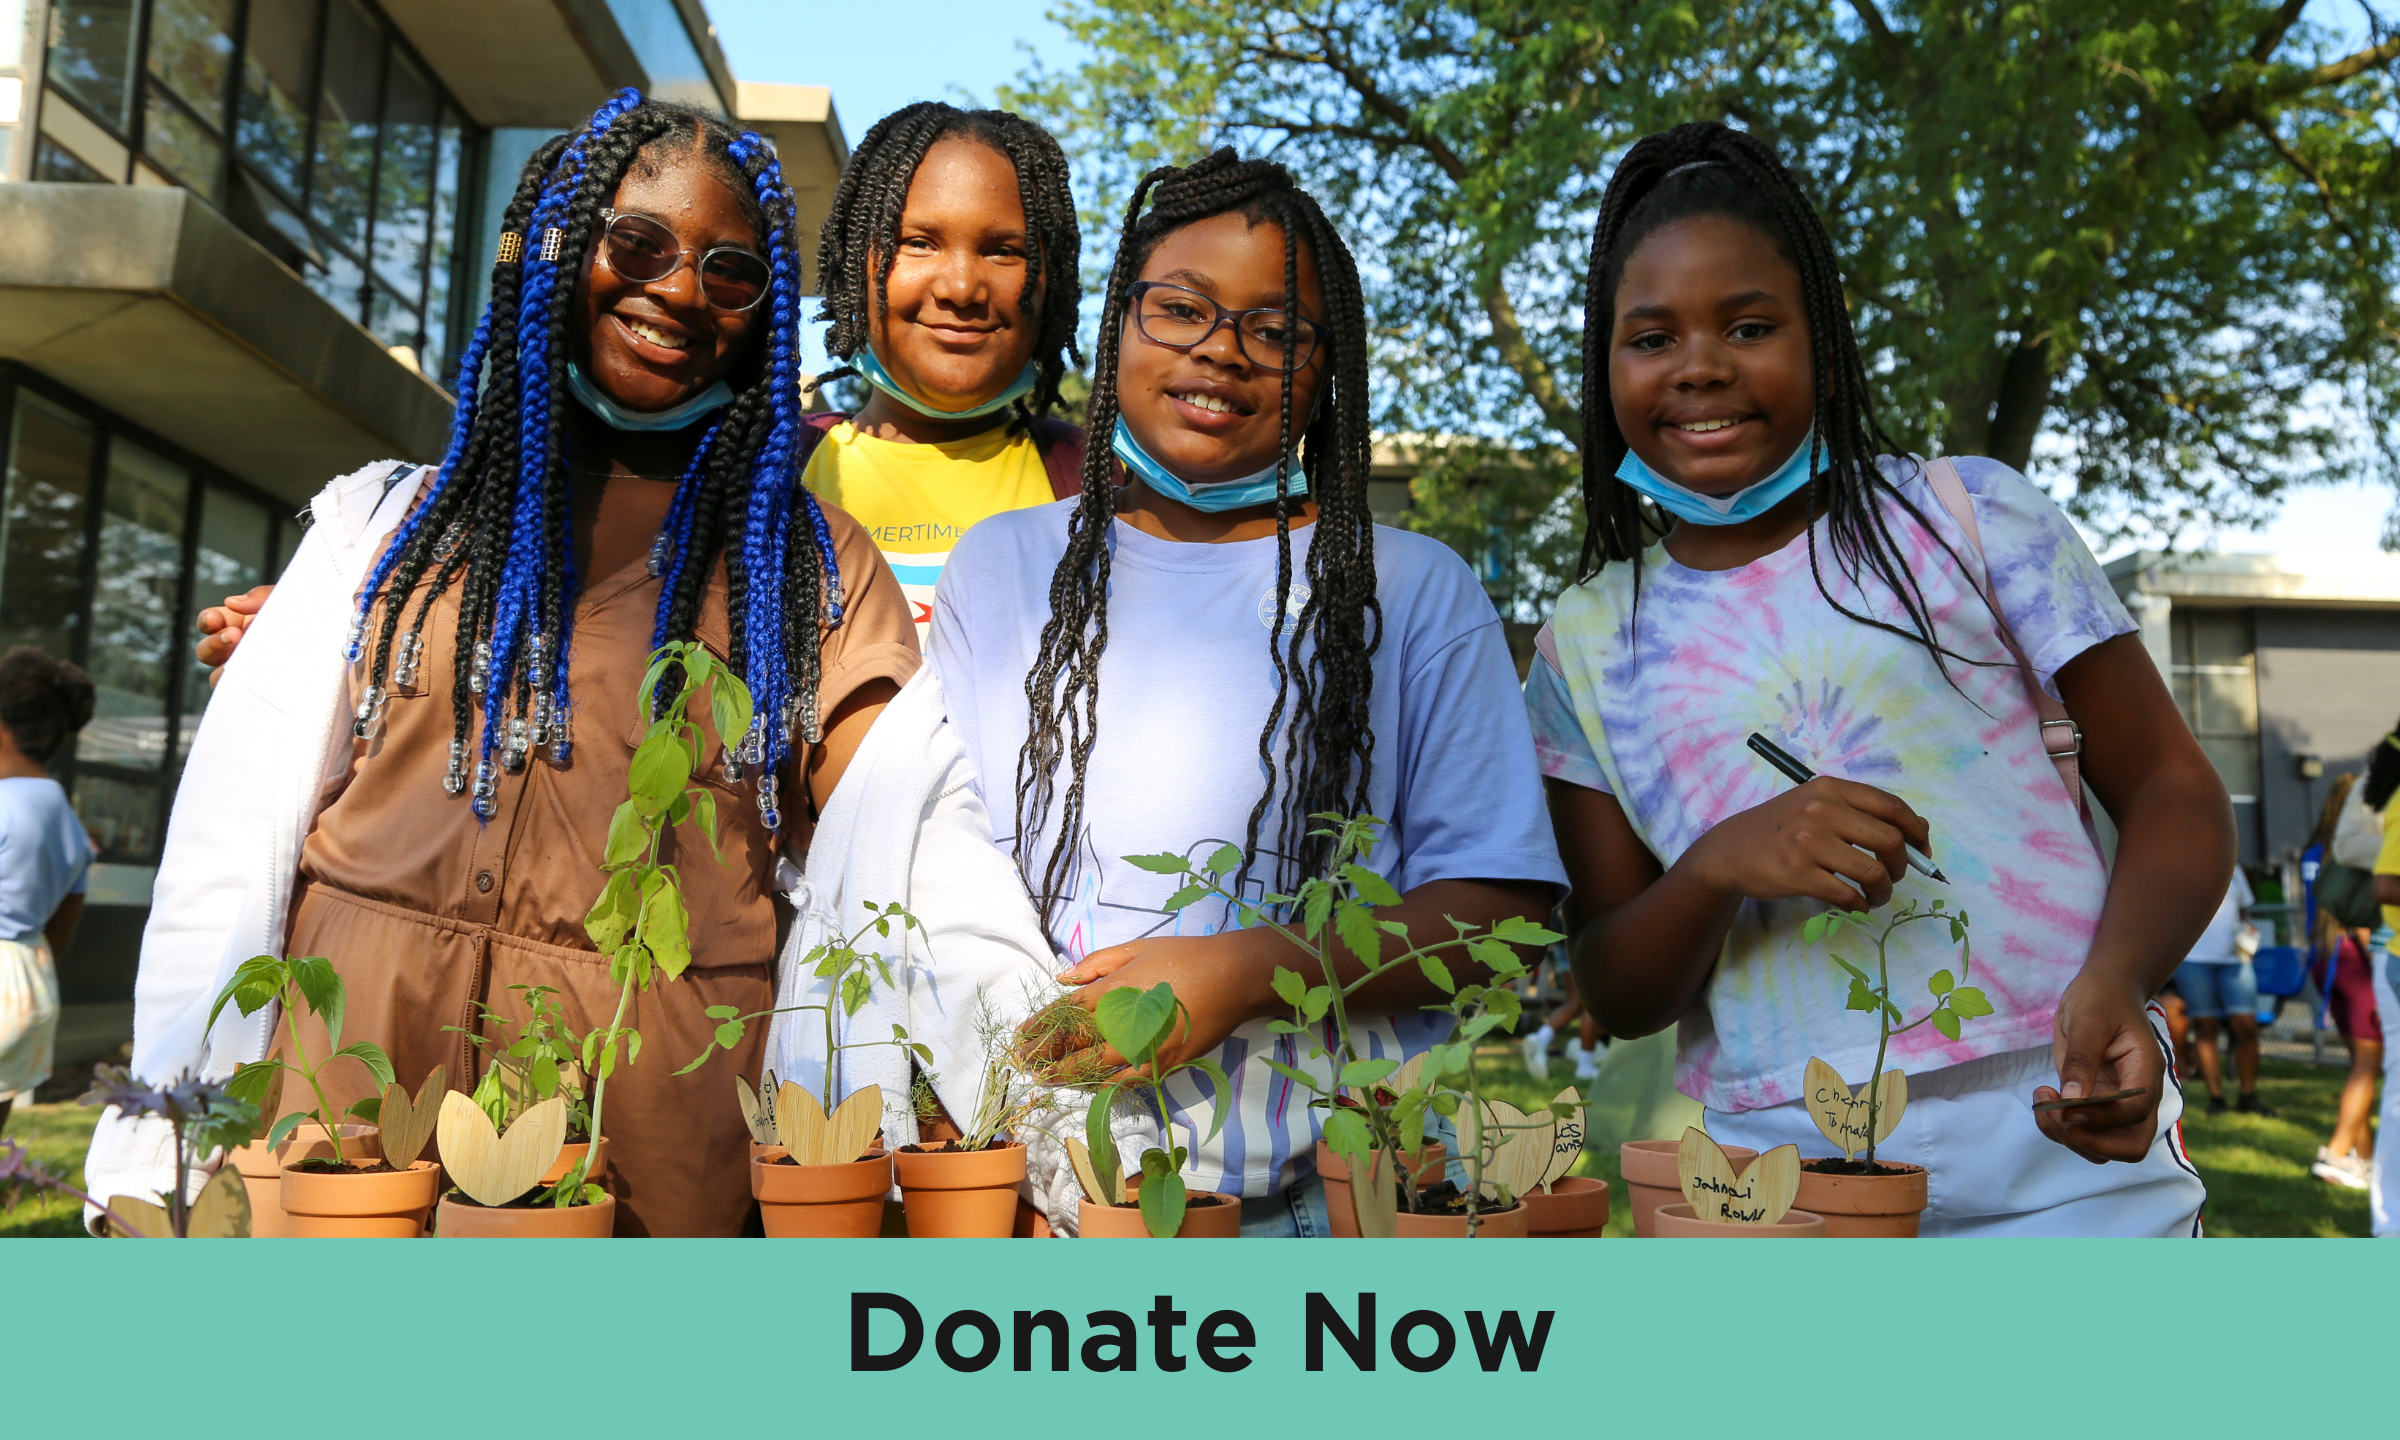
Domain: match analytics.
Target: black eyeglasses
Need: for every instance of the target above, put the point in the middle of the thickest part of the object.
(1179, 318)
(643, 251)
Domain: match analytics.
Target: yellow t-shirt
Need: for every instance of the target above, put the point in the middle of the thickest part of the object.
(2387, 860)
(916, 500)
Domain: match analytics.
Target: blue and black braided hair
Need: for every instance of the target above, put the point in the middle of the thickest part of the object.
(494, 521)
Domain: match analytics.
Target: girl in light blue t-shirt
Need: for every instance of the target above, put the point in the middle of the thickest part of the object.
(1228, 644)
(45, 859)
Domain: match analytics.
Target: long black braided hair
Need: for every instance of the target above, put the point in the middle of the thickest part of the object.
(1323, 657)
(494, 523)
(1705, 168)
(861, 236)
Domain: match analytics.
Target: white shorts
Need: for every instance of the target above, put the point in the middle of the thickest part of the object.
(1991, 1171)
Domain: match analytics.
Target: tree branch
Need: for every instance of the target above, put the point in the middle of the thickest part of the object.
(2272, 36)
(1887, 44)
(1541, 382)
(2220, 110)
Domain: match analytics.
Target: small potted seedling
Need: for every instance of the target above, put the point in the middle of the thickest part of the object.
(261, 1165)
(1366, 1123)
(826, 1176)
(350, 1193)
(1867, 1197)
(1152, 1200)
(967, 1184)
(203, 1117)
(544, 1059)
(1726, 1199)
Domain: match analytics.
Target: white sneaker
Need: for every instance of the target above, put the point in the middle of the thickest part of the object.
(1574, 1049)
(2348, 1171)
(1587, 1062)
(1537, 1053)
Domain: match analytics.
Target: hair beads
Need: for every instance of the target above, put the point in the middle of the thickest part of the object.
(494, 526)
(1322, 659)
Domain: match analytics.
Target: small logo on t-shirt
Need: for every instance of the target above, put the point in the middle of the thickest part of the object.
(1291, 609)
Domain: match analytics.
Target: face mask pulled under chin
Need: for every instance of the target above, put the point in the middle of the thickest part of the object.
(1213, 497)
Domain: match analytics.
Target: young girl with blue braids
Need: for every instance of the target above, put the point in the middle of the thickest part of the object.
(624, 472)
(1225, 645)
(1936, 643)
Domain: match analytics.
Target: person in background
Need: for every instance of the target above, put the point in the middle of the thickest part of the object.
(1584, 1048)
(2216, 983)
(45, 858)
(2383, 777)
(2339, 963)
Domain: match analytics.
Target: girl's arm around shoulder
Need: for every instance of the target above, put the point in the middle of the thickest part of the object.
(2175, 853)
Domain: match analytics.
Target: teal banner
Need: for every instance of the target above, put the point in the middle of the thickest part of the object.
(976, 1338)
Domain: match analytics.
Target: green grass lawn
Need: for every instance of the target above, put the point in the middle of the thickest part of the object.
(57, 1136)
(2256, 1169)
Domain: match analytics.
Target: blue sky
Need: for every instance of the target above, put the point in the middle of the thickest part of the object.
(975, 46)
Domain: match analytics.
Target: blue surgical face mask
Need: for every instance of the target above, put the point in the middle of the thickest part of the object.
(871, 370)
(1747, 503)
(1214, 497)
(617, 417)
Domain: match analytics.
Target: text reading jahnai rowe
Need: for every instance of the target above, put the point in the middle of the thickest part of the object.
(887, 1332)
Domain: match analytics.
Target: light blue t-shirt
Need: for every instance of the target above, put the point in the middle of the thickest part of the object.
(1185, 684)
(44, 854)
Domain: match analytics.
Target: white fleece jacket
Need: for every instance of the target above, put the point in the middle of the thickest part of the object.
(273, 738)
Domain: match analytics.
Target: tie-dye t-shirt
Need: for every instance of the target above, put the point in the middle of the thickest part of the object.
(1658, 714)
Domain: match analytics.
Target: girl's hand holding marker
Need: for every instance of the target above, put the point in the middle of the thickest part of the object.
(1824, 840)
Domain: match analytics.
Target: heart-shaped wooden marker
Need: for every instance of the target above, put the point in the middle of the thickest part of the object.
(758, 1108)
(1757, 1194)
(1841, 1113)
(1567, 1142)
(403, 1126)
(221, 1212)
(815, 1138)
(1522, 1156)
(492, 1168)
(1080, 1156)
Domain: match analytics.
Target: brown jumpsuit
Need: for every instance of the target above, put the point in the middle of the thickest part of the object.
(425, 912)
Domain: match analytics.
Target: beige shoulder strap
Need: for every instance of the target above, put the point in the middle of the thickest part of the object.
(2062, 738)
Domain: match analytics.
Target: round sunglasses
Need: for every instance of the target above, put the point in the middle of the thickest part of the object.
(637, 248)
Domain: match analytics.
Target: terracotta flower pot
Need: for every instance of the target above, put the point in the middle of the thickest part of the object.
(598, 1174)
(1205, 1217)
(1506, 1224)
(460, 1219)
(826, 1202)
(1335, 1172)
(958, 1194)
(388, 1206)
(1650, 1180)
(1575, 1208)
(261, 1169)
(1676, 1222)
(1866, 1207)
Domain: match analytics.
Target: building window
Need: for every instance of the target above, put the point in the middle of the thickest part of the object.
(106, 538)
(310, 122)
(2216, 684)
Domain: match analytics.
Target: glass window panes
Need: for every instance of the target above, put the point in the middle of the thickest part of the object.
(121, 815)
(52, 162)
(42, 526)
(404, 181)
(91, 54)
(191, 49)
(135, 623)
(278, 53)
(393, 322)
(449, 175)
(2216, 685)
(182, 146)
(347, 103)
(338, 282)
(237, 537)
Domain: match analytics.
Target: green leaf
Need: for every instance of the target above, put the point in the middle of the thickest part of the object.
(856, 987)
(281, 1130)
(1942, 983)
(1224, 1089)
(1356, 924)
(1188, 895)
(1359, 1074)
(661, 768)
(1517, 930)
(321, 987)
(249, 1081)
(1101, 1143)
(1298, 1077)
(1162, 1201)
(1227, 860)
(1970, 1002)
(1318, 1001)
(367, 1109)
(1159, 864)
(729, 706)
(611, 917)
(1288, 987)
(1855, 973)
(1438, 973)
(1371, 887)
(628, 837)
(1346, 1133)
(1946, 1022)
(666, 927)
(704, 820)
(1136, 1022)
(1861, 998)
(369, 1054)
(1811, 928)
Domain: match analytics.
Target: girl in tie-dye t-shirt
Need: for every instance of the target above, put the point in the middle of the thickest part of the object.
(1811, 586)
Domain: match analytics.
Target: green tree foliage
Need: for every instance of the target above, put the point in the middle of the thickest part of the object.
(2144, 248)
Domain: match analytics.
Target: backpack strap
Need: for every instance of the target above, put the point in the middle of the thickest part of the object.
(2062, 738)
(1061, 446)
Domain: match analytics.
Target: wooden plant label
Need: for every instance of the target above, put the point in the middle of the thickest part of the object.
(814, 1138)
(1841, 1114)
(1080, 1156)
(1567, 1142)
(1525, 1145)
(493, 1168)
(1404, 1079)
(758, 1110)
(1757, 1194)
(1377, 1201)
(405, 1126)
(221, 1212)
